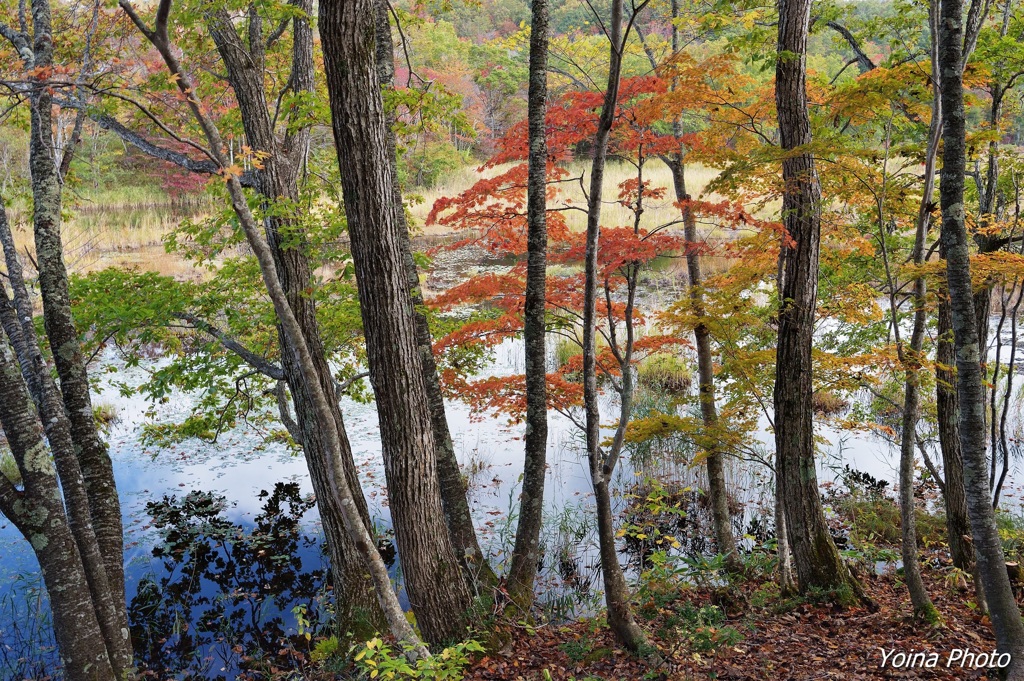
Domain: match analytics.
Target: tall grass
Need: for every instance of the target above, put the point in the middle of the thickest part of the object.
(125, 227)
(27, 646)
(114, 229)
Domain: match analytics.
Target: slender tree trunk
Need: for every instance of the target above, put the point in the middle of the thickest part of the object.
(620, 614)
(958, 523)
(437, 591)
(39, 515)
(526, 553)
(1003, 610)
(95, 463)
(453, 487)
(356, 609)
(784, 549)
(717, 487)
(911, 357)
(922, 603)
(77, 510)
(817, 561)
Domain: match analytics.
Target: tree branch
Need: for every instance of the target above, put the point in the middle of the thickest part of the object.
(342, 387)
(281, 393)
(863, 60)
(257, 362)
(21, 44)
(205, 167)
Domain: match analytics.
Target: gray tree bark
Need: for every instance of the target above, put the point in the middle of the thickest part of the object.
(911, 357)
(296, 342)
(453, 487)
(356, 609)
(617, 596)
(83, 489)
(1003, 610)
(526, 553)
(437, 592)
(717, 488)
(38, 513)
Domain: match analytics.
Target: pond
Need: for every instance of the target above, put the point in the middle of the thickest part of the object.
(223, 554)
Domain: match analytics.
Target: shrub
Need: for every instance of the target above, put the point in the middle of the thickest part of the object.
(667, 373)
(877, 521)
(378, 660)
(427, 166)
(826, 403)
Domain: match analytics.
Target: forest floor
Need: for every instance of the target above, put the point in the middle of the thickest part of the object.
(758, 636)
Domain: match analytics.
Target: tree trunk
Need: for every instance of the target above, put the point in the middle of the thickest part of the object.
(526, 554)
(295, 340)
(453, 487)
(52, 511)
(620, 614)
(784, 551)
(717, 488)
(922, 603)
(911, 358)
(437, 592)
(356, 610)
(75, 511)
(954, 497)
(95, 463)
(1003, 610)
(39, 515)
(817, 561)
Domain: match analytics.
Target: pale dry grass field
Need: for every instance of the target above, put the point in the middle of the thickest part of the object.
(123, 227)
(613, 213)
(126, 228)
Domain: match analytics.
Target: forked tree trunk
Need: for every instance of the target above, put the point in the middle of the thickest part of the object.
(357, 611)
(36, 510)
(818, 563)
(76, 511)
(437, 591)
(526, 553)
(1003, 610)
(453, 487)
(617, 596)
(295, 340)
(63, 338)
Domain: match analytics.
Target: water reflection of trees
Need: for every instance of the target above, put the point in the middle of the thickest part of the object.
(225, 599)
